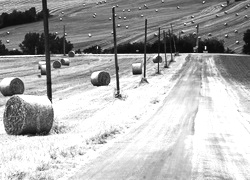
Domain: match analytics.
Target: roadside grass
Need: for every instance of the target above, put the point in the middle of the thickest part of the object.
(72, 141)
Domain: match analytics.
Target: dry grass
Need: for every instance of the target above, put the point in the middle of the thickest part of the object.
(93, 118)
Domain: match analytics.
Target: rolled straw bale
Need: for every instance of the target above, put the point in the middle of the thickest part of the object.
(157, 59)
(100, 78)
(57, 64)
(28, 114)
(137, 68)
(11, 85)
(41, 63)
(65, 61)
(43, 69)
(71, 54)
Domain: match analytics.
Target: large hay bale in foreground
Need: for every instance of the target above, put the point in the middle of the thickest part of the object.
(43, 69)
(100, 78)
(71, 54)
(40, 63)
(157, 59)
(57, 64)
(65, 61)
(137, 68)
(28, 114)
(11, 86)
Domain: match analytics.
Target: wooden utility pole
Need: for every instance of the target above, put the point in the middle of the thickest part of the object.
(64, 40)
(165, 50)
(117, 95)
(197, 38)
(170, 42)
(172, 32)
(159, 41)
(47, 53)
(145, 50)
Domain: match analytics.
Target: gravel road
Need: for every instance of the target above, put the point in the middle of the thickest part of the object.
(199, 132)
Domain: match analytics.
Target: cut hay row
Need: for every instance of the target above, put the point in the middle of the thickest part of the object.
(11, 85)
(100, 78)
(27, 114)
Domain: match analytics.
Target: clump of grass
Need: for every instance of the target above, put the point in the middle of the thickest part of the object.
(59, 128)
(102, 137)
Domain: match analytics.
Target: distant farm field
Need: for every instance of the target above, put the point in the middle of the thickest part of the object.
(78, 18)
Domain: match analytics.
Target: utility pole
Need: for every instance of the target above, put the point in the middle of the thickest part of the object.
(165, 50)
(64, 40)
(172, 32)
(197, 38)
(47, 53)
(159, 39)
(170, 37)
(145, 53)
(117, 95)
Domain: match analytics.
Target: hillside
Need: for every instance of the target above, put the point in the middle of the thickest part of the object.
(79, 21)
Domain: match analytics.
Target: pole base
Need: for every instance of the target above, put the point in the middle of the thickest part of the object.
(143, 80)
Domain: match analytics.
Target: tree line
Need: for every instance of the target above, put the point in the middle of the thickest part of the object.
(18, 17)
(33, 43)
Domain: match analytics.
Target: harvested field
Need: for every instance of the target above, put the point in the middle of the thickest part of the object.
(90, 123)
(80, 23)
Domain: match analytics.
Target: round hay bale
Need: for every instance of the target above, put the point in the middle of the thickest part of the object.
(100, 78)
(11, 86)
(71, 54)
(137, 68)
(157, 59)
(41, 63)
(57, 64)
(28, 114)
(43, 69)
(65, 61)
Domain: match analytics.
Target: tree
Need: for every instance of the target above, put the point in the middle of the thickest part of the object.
(3, 50)
(246, 39)
(30, 43)
(34, 44)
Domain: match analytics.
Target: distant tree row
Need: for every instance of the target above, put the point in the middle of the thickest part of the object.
(183, 44)
(18, 17)
(33, 43)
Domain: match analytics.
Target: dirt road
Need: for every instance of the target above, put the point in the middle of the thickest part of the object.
(199, 132)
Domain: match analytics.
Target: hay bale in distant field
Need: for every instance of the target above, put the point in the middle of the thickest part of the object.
(71, 54)
(28, 114)
(157, 59)
(57, 64)
(41, 63)
(65, 61)
(11, 85)
(100, 78)
(137, 68)
(43, 69)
